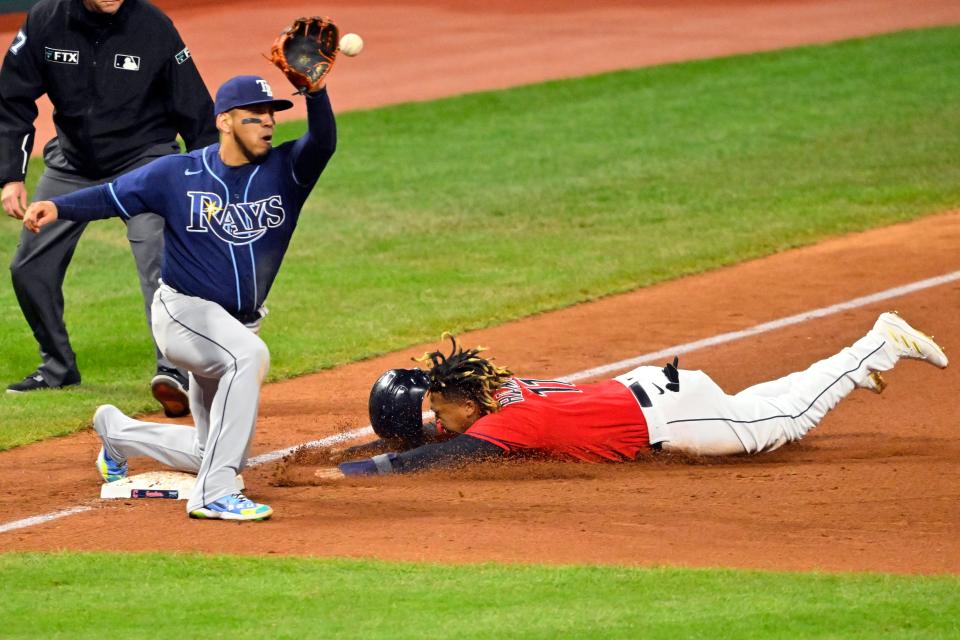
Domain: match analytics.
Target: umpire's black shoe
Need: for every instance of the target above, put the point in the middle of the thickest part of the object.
(170, 387)
(35, 382)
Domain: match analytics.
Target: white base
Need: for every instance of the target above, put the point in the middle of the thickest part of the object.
(177, 481)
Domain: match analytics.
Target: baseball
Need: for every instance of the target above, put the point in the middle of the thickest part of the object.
(351, 44)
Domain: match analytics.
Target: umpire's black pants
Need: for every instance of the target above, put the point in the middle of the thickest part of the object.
(40, 264)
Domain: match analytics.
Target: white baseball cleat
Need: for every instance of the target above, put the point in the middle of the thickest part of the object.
(907, 342)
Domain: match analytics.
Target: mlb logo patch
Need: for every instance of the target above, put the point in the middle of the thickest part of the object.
(126, 62)
(182, 56)
(62, 56)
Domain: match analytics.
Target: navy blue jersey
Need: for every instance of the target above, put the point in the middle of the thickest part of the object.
(227, 228)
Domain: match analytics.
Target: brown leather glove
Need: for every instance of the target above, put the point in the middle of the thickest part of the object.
(305, 52)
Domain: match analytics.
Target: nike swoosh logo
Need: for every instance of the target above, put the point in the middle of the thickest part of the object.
(658, 387)
(192, 173)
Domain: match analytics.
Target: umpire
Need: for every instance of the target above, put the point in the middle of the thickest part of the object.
(123, 85)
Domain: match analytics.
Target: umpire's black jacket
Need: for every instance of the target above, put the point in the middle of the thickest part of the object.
(119, 84)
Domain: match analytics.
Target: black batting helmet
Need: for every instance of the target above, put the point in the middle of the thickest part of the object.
(396, 406)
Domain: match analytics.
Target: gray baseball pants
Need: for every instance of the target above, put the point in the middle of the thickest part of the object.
(40, 263)
(227, 362)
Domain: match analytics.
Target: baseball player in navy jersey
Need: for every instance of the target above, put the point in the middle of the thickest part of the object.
(230, 210)
(618, 420)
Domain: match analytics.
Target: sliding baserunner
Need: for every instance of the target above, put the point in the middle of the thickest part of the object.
(498, 414)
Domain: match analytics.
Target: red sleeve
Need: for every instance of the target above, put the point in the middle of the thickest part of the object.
(511, 429)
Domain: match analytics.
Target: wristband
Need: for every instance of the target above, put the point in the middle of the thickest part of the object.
(375, 466)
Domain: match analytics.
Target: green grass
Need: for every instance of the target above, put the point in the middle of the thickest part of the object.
(132, 596)
(475, 210)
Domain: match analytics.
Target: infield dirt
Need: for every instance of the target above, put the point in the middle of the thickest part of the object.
(874, 488)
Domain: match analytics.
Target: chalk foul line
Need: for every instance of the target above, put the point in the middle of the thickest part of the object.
(731, 336)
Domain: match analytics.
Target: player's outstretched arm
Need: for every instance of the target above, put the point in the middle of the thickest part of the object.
(313, 150)
(430, 435)
(459, 450)
(39, 214)
(133, 193)
(305, 53)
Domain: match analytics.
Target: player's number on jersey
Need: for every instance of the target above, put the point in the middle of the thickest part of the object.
(544, 387)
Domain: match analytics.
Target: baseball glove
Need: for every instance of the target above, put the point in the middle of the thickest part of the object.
(305, 52)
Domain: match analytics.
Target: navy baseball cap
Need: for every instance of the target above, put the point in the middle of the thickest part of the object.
(242, 91)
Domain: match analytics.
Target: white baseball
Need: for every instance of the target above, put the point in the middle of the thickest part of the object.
(351, 44)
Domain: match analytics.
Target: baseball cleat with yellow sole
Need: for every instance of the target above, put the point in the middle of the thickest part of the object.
(908, 342)
(233, 507)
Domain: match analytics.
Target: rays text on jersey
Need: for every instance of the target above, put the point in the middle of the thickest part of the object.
(236, 223)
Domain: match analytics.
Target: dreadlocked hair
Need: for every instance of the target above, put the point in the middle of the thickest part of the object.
(463, 373)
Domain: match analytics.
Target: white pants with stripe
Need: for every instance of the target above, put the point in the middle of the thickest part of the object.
(701, 419)
(227, 362)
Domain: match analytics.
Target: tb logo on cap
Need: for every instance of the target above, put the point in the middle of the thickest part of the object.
(265, 87)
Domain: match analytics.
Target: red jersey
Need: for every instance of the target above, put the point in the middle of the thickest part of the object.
(592, 422)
